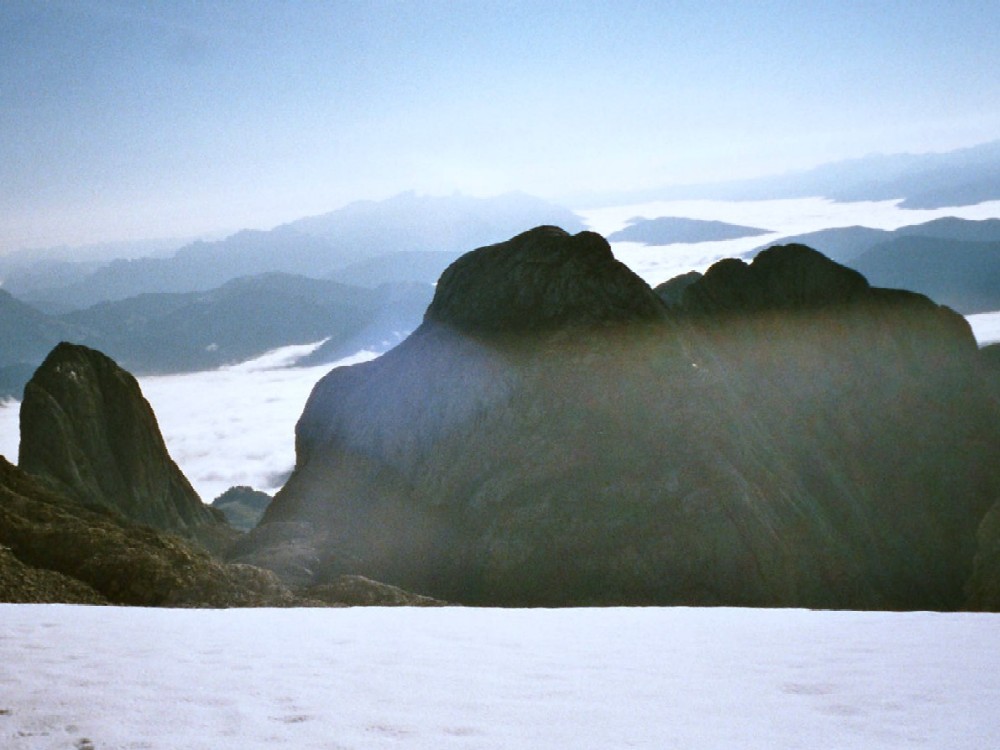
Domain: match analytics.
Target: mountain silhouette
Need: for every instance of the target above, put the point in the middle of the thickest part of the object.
(554, 433)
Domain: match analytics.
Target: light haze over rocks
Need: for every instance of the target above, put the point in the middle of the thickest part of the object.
(772, 439)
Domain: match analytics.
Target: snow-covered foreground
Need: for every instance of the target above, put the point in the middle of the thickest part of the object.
(111, 678)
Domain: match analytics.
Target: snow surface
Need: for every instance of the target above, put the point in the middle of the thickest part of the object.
(110, 679)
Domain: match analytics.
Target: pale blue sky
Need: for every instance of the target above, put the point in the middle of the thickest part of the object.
(133, 119)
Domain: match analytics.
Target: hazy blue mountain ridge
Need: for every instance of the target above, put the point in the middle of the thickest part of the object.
(965, 276)
(316, 246)
(239, 320)
(666, 230)
(184, 332)
(936, 180)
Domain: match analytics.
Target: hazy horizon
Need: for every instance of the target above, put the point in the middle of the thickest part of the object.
(121, 121)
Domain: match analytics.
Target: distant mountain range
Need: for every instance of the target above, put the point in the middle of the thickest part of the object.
(181, 332)
(359, 277)
(666, 230)
(955, 262)
(316, 247)
(957, 178)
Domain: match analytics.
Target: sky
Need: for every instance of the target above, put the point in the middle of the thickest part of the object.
(122, 120)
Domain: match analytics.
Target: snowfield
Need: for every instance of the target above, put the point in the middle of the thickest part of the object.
(109, 678)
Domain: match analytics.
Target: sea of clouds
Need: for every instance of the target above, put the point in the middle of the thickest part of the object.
(235, 425)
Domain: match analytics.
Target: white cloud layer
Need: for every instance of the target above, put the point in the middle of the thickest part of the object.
(657, 264)
(236, 425)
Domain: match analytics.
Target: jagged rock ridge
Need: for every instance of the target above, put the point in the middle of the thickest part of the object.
(541, 279)
(781, 434)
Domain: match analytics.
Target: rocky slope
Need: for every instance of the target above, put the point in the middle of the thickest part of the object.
(56, 549)
(86, 429)
(101, 517)
(554, 433)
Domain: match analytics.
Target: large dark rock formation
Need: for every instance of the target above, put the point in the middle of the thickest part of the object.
(540, 280)
(554, 433)
(55, 549)
(984, 587)
(86, 428)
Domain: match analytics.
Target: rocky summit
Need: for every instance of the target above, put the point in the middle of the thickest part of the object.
(87, 429)
(541, 280)
(779, 434)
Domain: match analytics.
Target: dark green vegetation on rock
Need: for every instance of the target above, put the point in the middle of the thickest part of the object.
(983, 588)
(667, 230)
(782, 434)
(541, 280)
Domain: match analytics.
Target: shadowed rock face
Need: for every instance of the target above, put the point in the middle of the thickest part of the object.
(784, 435)
(54, 549)
(86, 427)
(984, 586)
(540, 280)
(784, 277)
